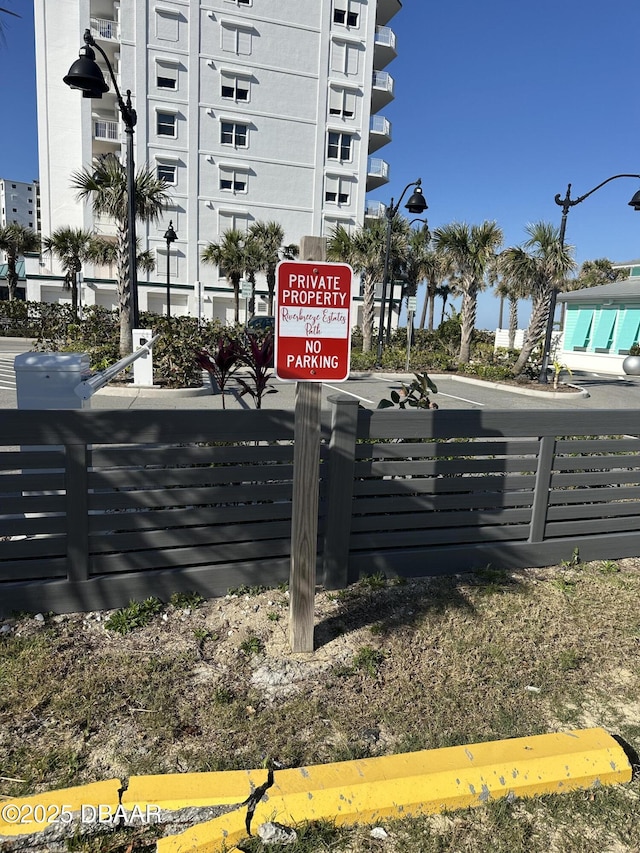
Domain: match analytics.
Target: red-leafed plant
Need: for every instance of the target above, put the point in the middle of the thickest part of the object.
(220, 363)
(257, 355)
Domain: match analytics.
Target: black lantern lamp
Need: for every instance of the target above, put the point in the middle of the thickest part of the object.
(170, 237)
(416, 204)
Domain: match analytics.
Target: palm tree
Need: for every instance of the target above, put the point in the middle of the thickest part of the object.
(364, 250)
(471, 251)
(104, 251)
(436, 270)
(444, 291)
(539, 266)
(231, 255)
(15, 241)
(269, 237)
(105, 183)
(72, 247)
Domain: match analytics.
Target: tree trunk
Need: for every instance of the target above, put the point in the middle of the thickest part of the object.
(271, 287)
(12, 276)
(513, 321)
(235, 281)
(368, 313)
(468, 311)
(124, 289)
(423, 315)
(535, 330)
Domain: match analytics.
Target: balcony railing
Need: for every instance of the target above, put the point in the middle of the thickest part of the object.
(385, 37)
(378, 168)
(380, 124)
(106, 130)
(104, 28)
(375, 209)
(383, 80)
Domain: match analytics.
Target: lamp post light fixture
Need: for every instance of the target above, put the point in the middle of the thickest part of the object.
(86, 75)
(170, 237)
(415, 204)
(566, 204)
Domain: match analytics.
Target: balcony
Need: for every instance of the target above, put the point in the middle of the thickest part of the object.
(382, 90)
(105, 130)
(103, 28)
(379, 133)
(377, 173)
(386, 9)
(374, 209)
(384, 49)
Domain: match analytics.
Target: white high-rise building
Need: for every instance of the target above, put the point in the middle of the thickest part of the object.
(20, 203)
(252, 110)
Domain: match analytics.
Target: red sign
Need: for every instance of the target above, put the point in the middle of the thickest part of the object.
(313, 328)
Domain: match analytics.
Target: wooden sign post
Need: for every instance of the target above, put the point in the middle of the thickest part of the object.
(312, 344)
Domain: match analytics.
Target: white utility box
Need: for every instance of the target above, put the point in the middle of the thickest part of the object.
(46, 380)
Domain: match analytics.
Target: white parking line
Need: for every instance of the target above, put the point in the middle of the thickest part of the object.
(462, 399)
(351, 394)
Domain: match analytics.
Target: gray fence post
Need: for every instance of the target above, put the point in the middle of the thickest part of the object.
(77, 460)
(546, 455)
(342, 448)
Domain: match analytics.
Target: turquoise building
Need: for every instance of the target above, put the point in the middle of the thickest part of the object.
(601, 324)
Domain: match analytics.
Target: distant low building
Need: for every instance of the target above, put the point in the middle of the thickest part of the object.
(601, 324)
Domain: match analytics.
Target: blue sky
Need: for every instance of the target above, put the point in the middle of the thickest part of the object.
(499, 105)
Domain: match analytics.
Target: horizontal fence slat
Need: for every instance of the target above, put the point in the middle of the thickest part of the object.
(33, 526)
(156, 559)
(443, 485)
(118, 457)
(436, 502)
(443, 467)
(162, 477)
(224, 495)
(439, 520)
(427, 538)
(599, 494)
(596, 463)
(24, 460)
(183, 536)
(594, 478)
(159, 518)
(32, 569)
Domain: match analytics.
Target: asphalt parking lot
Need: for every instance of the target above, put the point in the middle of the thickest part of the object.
(589, 391)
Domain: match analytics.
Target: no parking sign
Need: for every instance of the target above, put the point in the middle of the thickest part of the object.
(313, 321)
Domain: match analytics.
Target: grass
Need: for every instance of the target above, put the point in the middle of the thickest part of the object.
(398, 667)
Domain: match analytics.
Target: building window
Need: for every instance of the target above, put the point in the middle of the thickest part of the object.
(241, 2)
(167, 172)
(234, 87)
(331, 223)
(344, 58)
(228, 221)
(232, 133)
(233, 180)
(166, 75)
(166, 124)
(337, 190)
(339, 146)
(167, 25)
(236, 40)
(346, 13)
(342, 102)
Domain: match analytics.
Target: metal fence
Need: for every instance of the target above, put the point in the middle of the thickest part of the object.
(99, 507)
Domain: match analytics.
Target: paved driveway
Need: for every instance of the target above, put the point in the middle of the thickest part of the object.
(604, 392)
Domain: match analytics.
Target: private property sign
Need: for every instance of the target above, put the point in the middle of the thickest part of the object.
(313, 327)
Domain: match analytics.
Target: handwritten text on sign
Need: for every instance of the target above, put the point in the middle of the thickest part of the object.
(312, 322)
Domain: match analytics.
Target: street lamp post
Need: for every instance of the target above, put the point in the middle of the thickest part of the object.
(416, 204)
(566, 204)
(170, 236)
(85, 74)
